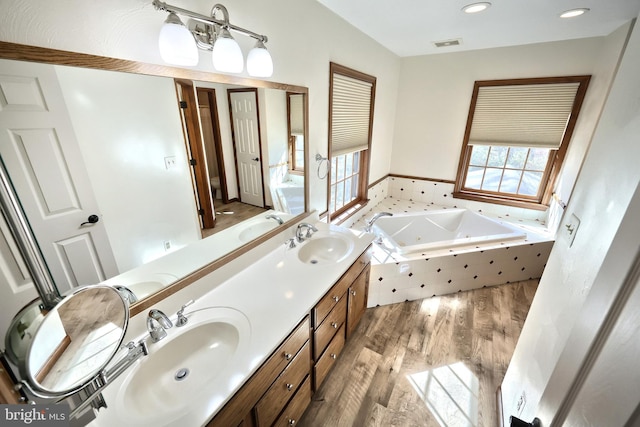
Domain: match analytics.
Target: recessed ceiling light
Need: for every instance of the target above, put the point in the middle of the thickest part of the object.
(574, 12)
(476, 7)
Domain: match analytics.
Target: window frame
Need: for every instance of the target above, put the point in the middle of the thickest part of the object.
(365, 157)
(556, 157)
(294, 167)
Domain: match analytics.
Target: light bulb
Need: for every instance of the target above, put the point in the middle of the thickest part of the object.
(226, 55)
(259, 62)
(176, 43)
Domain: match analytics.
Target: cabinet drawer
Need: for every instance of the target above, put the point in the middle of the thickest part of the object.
(283, 389)
(327, 329)
(293, 412)
(323, 366)
(287, 351)
(250, 393)
(326, 304)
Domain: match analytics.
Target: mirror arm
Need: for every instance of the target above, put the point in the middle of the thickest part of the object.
(26, 241)
(94, 388)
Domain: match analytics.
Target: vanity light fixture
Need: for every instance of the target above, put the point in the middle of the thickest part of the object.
(574, 12)
(476, 7)
(179, 44)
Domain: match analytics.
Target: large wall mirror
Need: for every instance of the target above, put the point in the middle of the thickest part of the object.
(125, 170)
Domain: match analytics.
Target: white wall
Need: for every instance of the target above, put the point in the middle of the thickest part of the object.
(435, 92)
(143, 204)
(608, 179)
(304, 37)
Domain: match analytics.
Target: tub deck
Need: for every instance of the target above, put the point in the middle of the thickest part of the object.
(398, 277)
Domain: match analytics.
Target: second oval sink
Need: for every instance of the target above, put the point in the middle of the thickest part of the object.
(180, 366)
(325, 249)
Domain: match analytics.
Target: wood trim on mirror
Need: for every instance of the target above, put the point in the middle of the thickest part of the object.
(28, 53)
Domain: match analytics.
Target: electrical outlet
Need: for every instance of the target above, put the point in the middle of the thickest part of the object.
(167, 245)
(170, 162)
(522, 401)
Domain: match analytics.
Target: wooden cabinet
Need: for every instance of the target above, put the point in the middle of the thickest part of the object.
(357, 297)
(336, 315)
(287, 367)
(280, 391)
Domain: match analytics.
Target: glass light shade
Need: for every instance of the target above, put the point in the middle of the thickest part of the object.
(227, 56)
(259, 62)
(176, 43)
(476, 7)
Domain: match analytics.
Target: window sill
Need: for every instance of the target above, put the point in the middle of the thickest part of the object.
(500, 201)
(348, 213)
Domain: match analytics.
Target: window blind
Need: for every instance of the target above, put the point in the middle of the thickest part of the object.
(350, 115)
(296, 117)
(522, 115)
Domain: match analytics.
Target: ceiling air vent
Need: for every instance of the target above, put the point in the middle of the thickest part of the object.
(447, 43)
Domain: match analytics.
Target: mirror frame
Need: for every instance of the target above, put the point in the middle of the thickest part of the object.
(29, 53)
(25, 367)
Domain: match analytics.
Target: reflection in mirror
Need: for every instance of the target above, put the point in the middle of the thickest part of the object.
(118, 149)
(76, 340)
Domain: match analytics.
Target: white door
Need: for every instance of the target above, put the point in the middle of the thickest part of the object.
(246, 135)
(42, 156)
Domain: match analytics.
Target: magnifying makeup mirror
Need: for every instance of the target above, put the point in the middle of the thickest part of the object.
(76, 340)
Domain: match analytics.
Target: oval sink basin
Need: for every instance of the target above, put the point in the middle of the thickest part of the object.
(180, 366)
(256, 230)
(325, 250)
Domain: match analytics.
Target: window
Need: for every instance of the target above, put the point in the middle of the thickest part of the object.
(517, 134)
(351, 101)
(295, 108)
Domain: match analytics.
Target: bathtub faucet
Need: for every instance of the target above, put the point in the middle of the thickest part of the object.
(276, 217)
(374, 218)
(300, 235)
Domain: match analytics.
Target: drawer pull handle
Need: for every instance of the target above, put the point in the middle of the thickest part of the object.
(334, 325)
(288, 356)
(292, 422)
(289, 387)
(336, 299)
(333, 356)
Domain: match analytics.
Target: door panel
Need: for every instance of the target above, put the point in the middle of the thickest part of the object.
(246, 136)
(195, 148)
(43, 158)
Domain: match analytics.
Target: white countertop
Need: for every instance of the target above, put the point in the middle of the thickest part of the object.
(275, 293)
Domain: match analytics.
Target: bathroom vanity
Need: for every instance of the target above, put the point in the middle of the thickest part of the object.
(280, 391)
(255, 346)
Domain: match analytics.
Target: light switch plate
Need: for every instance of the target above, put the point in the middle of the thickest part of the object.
(571, 228)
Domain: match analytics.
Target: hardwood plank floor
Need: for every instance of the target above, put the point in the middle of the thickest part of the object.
(433, 362)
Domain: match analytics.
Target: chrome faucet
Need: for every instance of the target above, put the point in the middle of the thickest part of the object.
(127, 294)
(276, 217)
(158, 332)
(374, 218)
(300, 235)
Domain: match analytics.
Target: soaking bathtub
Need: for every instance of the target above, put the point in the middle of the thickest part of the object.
(444, 228)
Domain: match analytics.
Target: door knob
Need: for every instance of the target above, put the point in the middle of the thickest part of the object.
(91, 220)
(256, 159)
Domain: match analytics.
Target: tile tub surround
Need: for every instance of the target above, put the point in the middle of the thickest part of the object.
(273, 289)
(398, 278)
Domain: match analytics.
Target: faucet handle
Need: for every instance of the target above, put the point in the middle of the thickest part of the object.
(186, 304)
(182, 320)
(290, 243)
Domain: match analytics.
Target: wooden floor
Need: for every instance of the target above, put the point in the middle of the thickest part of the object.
(433, 362)
(230, 214)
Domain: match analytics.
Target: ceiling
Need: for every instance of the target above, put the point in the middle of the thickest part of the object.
(410, 27)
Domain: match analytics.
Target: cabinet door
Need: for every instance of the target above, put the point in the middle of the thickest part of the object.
(357, 300)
